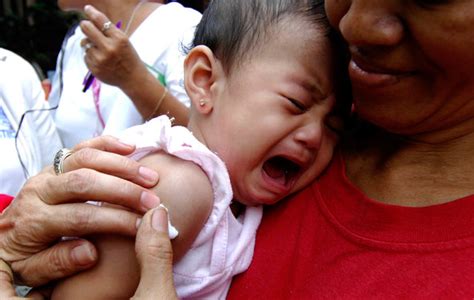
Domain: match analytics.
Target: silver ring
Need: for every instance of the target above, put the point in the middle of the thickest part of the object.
(106, 26)
(59, 158)
(88, 46)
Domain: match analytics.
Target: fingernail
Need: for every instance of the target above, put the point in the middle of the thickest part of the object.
(164, 207)
(148, 174)
(139, 221)
(83, 255)
(149, 200)
(159, 219)
(87, 7)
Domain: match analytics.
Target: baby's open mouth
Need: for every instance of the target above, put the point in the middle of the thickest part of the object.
(281, 169)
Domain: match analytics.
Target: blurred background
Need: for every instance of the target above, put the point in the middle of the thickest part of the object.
(35, 29)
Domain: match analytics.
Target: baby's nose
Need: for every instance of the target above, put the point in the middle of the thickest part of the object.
(310, 135)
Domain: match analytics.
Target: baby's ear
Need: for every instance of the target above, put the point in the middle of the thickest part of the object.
(201, 71)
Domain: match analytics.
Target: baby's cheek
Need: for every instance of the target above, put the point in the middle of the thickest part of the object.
(323, 159)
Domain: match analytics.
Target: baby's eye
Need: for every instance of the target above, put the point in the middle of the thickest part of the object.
(430, 3)
(300, 106)
(335, 123)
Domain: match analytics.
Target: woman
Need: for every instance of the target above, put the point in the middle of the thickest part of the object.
(138, 68)
(392, 216)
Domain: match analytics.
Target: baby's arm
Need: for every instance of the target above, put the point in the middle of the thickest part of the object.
(186, 191)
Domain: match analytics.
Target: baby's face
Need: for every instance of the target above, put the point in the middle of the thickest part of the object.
(270, 119)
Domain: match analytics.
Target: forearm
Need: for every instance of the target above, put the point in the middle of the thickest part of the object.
(146, 91)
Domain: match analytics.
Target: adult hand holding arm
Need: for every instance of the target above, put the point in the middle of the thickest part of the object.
(113, 60)
(50, 207)
(155, 257)
(154, 254)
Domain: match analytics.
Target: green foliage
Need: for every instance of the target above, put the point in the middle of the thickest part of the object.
(38, 35)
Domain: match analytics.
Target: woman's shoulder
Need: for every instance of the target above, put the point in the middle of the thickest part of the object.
(172, 18)
(175, 9)
(14, 67)
(161, 36)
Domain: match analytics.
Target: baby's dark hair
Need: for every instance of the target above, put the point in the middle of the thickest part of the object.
(233, 28)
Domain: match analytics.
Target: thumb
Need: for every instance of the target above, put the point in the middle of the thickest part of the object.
(155, 257)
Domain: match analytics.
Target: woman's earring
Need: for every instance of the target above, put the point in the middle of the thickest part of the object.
(202, 102)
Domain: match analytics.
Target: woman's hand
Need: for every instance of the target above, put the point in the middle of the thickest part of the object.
(112, 59)
(110, 56)
(155, 256)
(50, 207)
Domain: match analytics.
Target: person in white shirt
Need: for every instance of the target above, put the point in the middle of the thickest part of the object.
(28, 137)
(138, 67)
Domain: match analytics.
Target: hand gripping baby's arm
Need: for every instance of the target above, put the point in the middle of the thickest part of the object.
(186, 191)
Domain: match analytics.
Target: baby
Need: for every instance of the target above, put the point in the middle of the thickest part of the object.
(263, 123)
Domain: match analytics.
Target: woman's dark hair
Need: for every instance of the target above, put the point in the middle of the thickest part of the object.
(233, 28)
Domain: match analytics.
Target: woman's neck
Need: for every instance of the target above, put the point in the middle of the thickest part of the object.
(411, 171)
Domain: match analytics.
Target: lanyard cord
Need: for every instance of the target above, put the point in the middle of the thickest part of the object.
(96, 84)
(25, 170)
(69, 33)
(96, 95)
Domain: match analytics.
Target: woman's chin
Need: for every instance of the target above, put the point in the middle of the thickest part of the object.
(395, 117)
